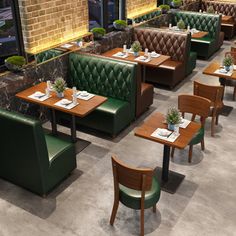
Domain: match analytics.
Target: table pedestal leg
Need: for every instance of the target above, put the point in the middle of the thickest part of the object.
(54, 123)
(169, 180)
(73, 129)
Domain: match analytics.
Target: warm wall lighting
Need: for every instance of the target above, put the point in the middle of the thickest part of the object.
(55, 43)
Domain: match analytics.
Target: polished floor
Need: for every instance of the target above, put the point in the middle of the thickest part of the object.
(204, 205)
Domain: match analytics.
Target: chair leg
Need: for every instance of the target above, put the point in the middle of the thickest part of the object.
(203, 144)
(154, 209)
(172, 152)
(234, 94)
(114, 211)
(213, 126)
(190, 154)
(217, 119)
(142, 222)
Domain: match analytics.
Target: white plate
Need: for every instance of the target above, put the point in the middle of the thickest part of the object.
(223, 71)
(83, 93)
(65, 101)
(164, 132)
(121, 54)
(38, 94)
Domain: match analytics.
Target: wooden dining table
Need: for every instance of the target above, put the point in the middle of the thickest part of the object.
(81, 110)
(154, 62)
(211, 69)
(169, 180)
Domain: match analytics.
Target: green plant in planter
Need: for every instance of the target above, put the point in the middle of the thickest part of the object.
(210, 10)
(181, 25)
(98, 33)
(164, 8)
(120, 24)
(173, 116)
(59, 86)
(176, 3)
(136, 47)
(15, 63)
(227, 62)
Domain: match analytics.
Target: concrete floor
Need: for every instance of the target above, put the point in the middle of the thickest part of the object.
(203, 205)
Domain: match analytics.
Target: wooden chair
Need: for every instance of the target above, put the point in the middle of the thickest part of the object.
(135, 188)
(215, 95)
(230, 82)
(197, 106)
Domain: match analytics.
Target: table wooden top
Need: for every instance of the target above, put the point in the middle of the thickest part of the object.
(210, 70)
(227, 19)
(199, 35)
(154, 62)
(81, 110)
(157, 121)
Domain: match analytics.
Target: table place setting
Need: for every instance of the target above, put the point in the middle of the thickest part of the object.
(155, 55)
(223, 72)
(120, 55)
(165, 134)
(143, 59)
(39, 96)
(184, 123)
(65, 103)
(84, 95)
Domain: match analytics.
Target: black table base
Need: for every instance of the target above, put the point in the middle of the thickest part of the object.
(169, 180)
(226, 110)
(174, 180)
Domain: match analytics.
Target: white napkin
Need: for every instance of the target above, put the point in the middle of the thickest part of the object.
(142, 58)
(171, 138)
(66, 106)
(39, 96)
(80, 95)
(223, 72)
(120, 55)
(184, 123)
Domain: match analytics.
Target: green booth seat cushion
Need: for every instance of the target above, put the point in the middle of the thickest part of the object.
(198, 137)
(55, 147)
(132, 198)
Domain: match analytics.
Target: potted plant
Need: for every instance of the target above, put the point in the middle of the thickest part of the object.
(173, 118)
(228, 62)
(181, 25)
(59, 87)
(164, 8)
(136, 47)
(210, 10)
(98, 33)
(176, 3)
(15, 63)
(120, 24)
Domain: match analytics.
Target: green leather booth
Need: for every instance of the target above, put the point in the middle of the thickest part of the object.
(146, 16)
(113, 79)
(211, 23)
(46, 55)
(29, 157)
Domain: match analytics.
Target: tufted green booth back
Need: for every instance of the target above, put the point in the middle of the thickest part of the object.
(204, 22)
(44, 56)
(103, 76)
(146, 17)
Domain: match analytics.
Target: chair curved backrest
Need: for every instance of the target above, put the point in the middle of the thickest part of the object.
(195, 105)
(134, 178)
(213, 93)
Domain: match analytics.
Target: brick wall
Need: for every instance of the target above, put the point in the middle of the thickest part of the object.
(136, 7)
(46, 23)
